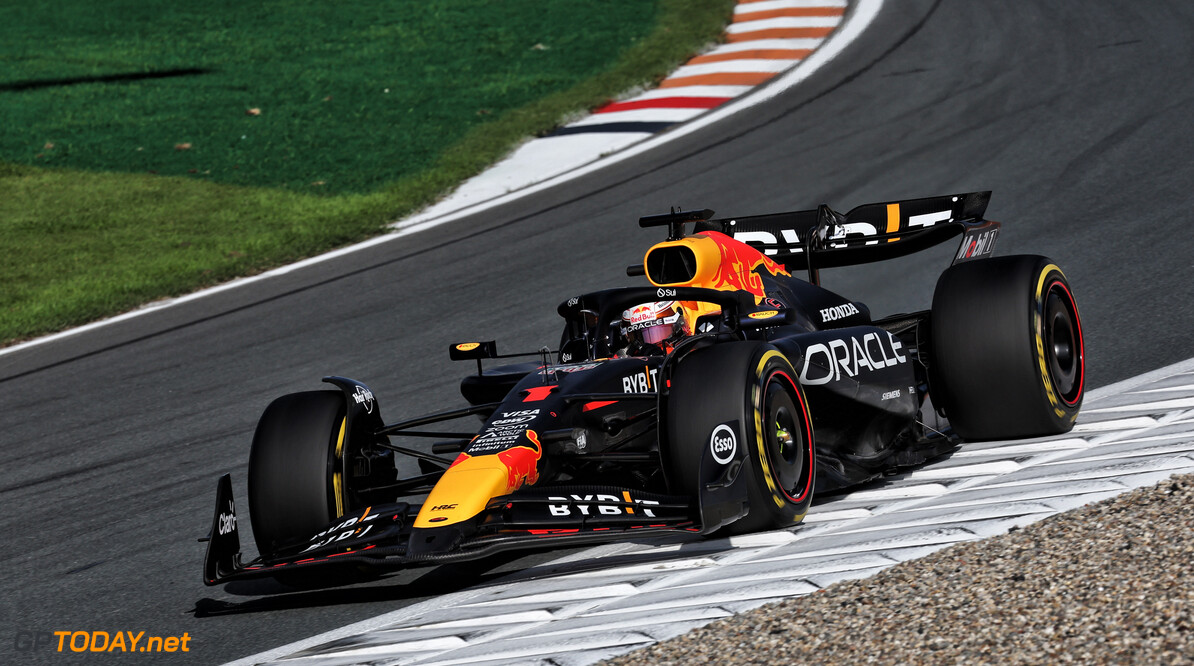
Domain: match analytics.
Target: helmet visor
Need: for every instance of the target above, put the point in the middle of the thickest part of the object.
(654, 335)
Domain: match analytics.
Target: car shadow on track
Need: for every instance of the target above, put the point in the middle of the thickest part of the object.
(410, 586)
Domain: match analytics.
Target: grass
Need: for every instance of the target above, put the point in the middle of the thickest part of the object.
(350, 95)
(88, 231)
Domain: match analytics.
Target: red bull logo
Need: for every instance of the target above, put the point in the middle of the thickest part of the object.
(640, 313)
(736, 268)
(522, 463)
(711, 260)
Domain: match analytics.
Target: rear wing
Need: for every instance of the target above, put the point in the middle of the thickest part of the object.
(824, 238)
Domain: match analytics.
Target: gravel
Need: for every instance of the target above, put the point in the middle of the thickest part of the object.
(1108, 583)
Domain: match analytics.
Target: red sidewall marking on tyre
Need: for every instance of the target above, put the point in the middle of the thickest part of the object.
(808, 439)
(1081, 344)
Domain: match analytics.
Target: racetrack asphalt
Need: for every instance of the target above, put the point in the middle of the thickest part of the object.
(1075, 114)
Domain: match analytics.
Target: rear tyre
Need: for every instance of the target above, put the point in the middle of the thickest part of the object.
(1008, 356)
(295, 469)
(754, 383)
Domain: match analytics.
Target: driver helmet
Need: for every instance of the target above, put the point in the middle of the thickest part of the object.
(653, 323)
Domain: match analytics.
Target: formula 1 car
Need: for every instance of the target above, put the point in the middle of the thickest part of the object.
(719, 399)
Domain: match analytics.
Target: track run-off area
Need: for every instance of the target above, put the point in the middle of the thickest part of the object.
(1074, 114)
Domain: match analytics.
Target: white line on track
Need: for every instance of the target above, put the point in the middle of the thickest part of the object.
(785, 22)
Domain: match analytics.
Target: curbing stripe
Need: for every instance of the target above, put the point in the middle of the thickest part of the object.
(790, 12)
(763, 5)
(698, 91)
(735, 66)
(657, 115)
(720, 79)
(780, 33)
(819, 22)
(765, 38)
(800, 44)
(752, 54)
(665, 103)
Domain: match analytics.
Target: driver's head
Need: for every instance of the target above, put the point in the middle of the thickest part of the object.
(653, 323)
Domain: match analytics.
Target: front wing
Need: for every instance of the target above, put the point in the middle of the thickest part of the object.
(379, 538)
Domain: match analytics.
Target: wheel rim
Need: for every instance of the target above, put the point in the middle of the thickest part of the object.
(786, 441)
(1063, 343)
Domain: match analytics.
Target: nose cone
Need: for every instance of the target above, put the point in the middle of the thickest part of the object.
(463, 491)
(473, 480)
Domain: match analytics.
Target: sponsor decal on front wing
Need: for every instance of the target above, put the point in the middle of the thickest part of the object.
(347, 529)
(363, 396)
(227, 523)
(600, 505)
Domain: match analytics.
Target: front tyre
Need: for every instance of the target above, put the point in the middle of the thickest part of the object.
(1008, 356)
(754, 384)
(295, 468)
(780, 477)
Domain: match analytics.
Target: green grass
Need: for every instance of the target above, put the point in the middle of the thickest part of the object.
(352, 95)
(88, 231)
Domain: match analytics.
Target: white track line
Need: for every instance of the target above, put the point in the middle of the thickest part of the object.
(784, 22)
(745, 65)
